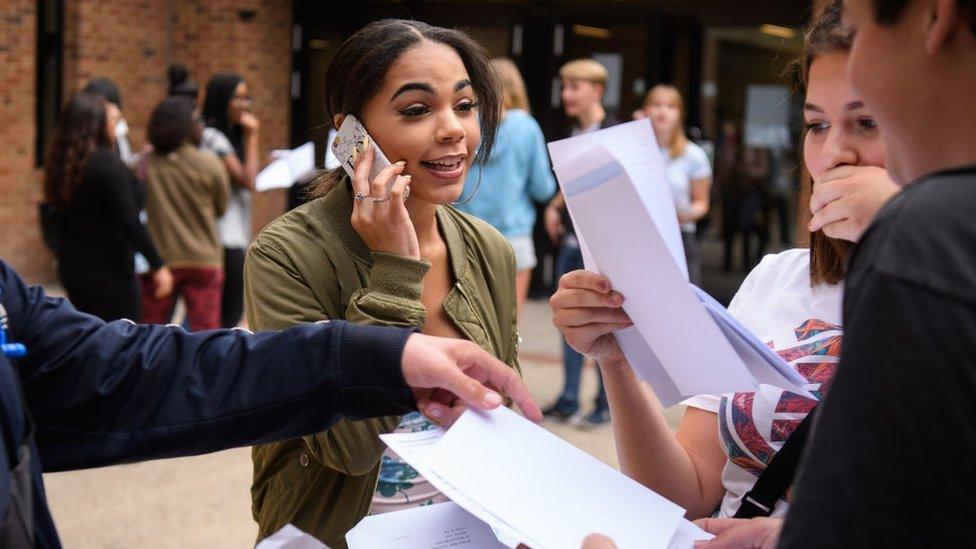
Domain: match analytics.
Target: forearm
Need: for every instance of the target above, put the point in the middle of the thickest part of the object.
(252, 162)
(700, 201)
(558, 202)
(647, 448)
(695, 212)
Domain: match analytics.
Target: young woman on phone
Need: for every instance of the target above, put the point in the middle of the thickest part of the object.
(386, 251)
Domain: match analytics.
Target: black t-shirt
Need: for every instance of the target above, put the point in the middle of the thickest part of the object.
(892, 456)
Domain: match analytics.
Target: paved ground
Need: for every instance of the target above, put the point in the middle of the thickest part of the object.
(204, 501)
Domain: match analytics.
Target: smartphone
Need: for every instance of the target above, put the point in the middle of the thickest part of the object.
(350, 141)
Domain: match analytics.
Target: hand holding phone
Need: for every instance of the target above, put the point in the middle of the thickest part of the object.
(382, 221)
(350, 142)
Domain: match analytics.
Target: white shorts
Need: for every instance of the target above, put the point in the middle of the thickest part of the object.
(524, 250)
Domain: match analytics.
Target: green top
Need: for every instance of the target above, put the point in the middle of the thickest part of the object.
(309, 265)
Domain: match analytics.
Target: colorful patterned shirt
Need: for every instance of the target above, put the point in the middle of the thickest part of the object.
(400, 486)
(802, 323)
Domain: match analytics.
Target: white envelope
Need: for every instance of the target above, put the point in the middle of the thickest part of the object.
(534, 488)
(442, 525)
(625, 222)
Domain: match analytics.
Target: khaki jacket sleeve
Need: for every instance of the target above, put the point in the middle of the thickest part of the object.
(277, 296)
(393, 295)
(512, 359)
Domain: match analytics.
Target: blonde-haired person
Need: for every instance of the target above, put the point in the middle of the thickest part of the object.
(688, 168)
(583, 81)
(517, 174)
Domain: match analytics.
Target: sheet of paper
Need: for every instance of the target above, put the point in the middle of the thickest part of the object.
(623, 240)
(438, 526)
(764, 364)
(636, 148)
(290, 537)
(686, 536)
(414, 449)
(288, 167)
(546, 489)
(647, 366)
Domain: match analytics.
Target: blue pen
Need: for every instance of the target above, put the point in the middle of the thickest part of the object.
(10, 350)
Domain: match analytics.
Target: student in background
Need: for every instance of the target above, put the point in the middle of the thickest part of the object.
(180, 84)
(97, 201)
(187, 193)
(584, 82)
(725, 443)
(109, 90)
(232, 133)
(517, 174)
(687, 166)
(727, 157)
(752, 179)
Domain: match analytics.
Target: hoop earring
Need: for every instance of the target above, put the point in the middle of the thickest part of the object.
(477, 187)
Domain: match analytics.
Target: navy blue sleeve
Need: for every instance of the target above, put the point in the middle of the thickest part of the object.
(104, 393)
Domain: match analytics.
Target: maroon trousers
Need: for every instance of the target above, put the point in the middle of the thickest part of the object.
(201, 289)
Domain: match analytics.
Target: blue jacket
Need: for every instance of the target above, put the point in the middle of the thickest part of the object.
(99, 393)
(516, 174)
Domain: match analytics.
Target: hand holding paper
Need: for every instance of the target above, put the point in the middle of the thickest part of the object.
(446, 372)
(617, 195)
(587, 310)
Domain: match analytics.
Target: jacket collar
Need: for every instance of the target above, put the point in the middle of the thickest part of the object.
(337, 211)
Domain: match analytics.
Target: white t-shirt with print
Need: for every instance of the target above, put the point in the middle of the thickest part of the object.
(681, 170)
(803, 325)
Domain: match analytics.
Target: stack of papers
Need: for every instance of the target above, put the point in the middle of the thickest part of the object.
(530, 487)
(620, 202)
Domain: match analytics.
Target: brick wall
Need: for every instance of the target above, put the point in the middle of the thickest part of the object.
(253, 39)
(20, 241)
(133, 42)
(124, 40)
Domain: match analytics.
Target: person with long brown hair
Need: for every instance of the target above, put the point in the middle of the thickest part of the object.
(232, 133)
(97, 200)
(725, 443)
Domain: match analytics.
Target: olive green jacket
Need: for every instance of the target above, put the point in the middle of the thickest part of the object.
(310, 265)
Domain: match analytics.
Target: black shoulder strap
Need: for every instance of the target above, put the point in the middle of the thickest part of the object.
(778, 476)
